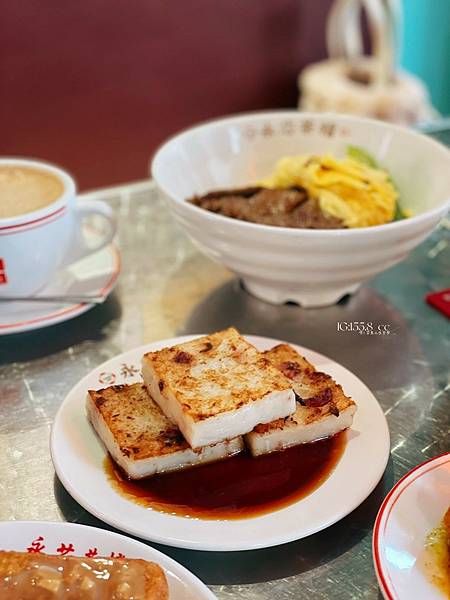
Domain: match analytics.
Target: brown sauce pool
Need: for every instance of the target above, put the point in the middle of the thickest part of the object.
(236, 488)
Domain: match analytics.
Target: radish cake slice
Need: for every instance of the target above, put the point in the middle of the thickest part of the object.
(140, 438)
(322, 407)
(217, 387)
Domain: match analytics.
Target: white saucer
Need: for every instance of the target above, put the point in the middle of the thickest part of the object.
(21, 535)
(94, 275)
(411, 510)
(78, 458)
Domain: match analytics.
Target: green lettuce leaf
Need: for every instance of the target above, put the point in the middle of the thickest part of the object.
(364, 157)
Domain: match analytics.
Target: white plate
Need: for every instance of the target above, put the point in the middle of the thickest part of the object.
(411, 510)
(94, 275)
(78, 459)
(59, 538)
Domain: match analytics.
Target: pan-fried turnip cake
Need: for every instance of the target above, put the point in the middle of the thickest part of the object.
(322, 407)
(140, 438)
(217, 387)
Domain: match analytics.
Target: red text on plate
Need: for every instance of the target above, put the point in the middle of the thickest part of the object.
(64, 550)
(36, 546)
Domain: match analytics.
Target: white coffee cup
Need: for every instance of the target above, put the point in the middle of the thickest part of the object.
(35, 245)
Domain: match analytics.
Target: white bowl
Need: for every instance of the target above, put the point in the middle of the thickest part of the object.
(278, 264)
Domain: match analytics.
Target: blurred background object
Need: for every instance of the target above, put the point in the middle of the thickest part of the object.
(96, 86)
(351, 81)
(426, 47)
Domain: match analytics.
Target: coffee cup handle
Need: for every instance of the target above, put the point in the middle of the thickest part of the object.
(83, 209)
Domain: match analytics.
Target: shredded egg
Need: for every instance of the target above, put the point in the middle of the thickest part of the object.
(358, 194)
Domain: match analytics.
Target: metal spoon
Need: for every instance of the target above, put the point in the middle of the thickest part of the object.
(64, 299)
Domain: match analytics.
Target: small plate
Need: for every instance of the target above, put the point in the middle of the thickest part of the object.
(411, 510)
(79, 540)
(94, 275)
(78, 457)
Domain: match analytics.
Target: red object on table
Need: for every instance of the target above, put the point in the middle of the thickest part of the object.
(440, 300)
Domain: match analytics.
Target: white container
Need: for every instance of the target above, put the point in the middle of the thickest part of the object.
(311, 267)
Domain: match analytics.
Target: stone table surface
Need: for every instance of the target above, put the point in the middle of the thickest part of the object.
(168, 288)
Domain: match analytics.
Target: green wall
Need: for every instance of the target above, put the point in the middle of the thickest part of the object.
(426, 47)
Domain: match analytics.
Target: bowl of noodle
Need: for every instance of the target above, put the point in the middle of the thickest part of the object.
(304, 207)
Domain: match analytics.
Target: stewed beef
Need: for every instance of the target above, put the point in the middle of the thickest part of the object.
(291, 207)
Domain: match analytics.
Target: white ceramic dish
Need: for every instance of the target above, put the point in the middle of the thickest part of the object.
(94, 275)
(311, 267)
(60, 538)
(78, 459)
(411, 510)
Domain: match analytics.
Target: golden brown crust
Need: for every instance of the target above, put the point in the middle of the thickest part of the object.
(156, 586)
(136, 422)
(447, 529)
(318, 395)
(283, 354)
(73, 577)
(215, 374)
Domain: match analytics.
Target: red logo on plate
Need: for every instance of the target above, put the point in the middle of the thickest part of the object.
(3, 278)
